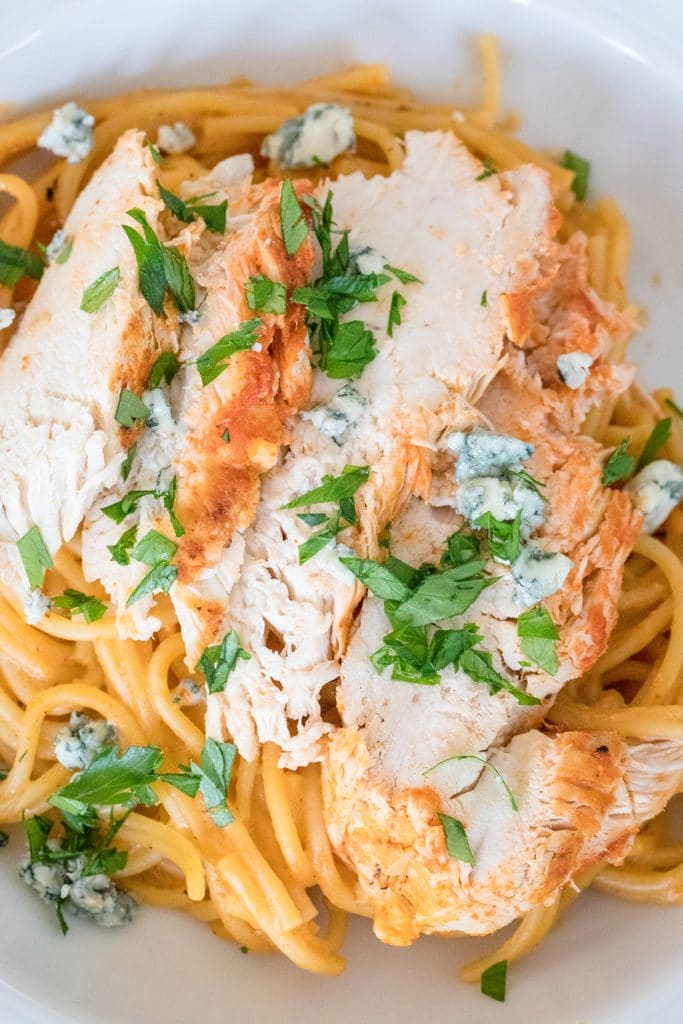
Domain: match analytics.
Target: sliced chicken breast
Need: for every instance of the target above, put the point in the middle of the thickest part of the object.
(63, 371)
(478, 247)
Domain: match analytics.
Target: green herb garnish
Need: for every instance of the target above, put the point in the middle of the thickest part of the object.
(34, 556)
(16, 263)
(493, 981)
(214, 361)
(189, 209)
(129, 409)
(581, 168)
(159, 579)
(266, 296)
(292, 223)
(397, 301)
(457, 843)
(218, 661)
(619, 466)
(539, 637)
(661, 432)
(485, 764)
(165, 368)
(97, 293)
(154, 548)
(121, 551)
(75, 602)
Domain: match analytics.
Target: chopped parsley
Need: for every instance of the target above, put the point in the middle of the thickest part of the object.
(226, 436)
(75, 602)
(188, 210)
(119, 510)
(484, 299)
(218, 661)
(538, 634)
(121, 551)
(531, 482)
(487, 171)
(16, 263)
(674, 407)
(661, 432)
(619, 466)
(457, 843)
(159, 579)
(485, 764)
(397, 301)
(581, 168)
(402, 275)
(165, 368)
(214, 361)
(34, 557)
(292, 223)
(333, 488)
(340, 489)
(213, 775)
(130, 408)
(97, 293)
(127, 463)
(503, 537)
(493, 981)
(266, 296)
(154, 548)
(161, 268)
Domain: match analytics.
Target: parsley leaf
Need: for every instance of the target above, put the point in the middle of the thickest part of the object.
(397, 301)
(165, 368)
(213, 774)
(188, 210)
(661, 432)
(178, 278)
(266, 296)
(333, 488)
(503, 537)
(581, 168)
(218, 661)
(493, 981)
(348, 350)
(120, 552)
(212, 362)
(531, 482)
(127, 463)
(154, 548)
(485, 764)
(539, 635)
(292, 223)
(130, 408)
(168, 500)
(488, 170)
(97, 293)
(318, 540)
(34, 556)
(128, 504)
(478, 666)
(161, 268)
(447, 646)
(402, 275)
(457, 843)
(619, 466)
(484, 299)
(444, 595)
(160, 578)
(673, 406)
(16, 262)
(377, 578)
(78, 603)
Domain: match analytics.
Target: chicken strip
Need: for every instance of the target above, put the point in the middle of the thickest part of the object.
(473, 242)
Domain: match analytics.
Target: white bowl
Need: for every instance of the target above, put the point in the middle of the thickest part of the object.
(603, 78)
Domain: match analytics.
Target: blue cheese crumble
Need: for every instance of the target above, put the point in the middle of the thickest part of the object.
(656, 491)
(95, 897)
(572, 369)
(79, 743)
(36, 606)
(7, 316)
(190, 316)
(175, 138)
(503, 498)
(56, 245)
(366, 261)
(538, 573)
(483, 453)
(336, 418)
(188, 693)
(318, 135)
(69, 133)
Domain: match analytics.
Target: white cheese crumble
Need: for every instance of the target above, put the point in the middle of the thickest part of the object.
(320, 134)
(656, 491)
(175, 138)
(69, 133)
(573, 367)
(94, 896)
(36, 606)
(190, 316)
(160, 418)
(503, 499)
(7, 316)
(339, 415)
(483, 453)
(538, 573)
(187, 693)
(79, 743)
(367, 261)
(57, 243)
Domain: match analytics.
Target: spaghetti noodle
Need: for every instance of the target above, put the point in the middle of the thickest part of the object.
(252, 883)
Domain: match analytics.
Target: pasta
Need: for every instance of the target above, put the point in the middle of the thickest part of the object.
(256, 883)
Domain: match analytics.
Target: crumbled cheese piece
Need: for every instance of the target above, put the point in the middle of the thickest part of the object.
(503, 498)
(176, 138)
(482, 453)
(322, 132)
(257, 347)
(656, 491)
(160, 418)
(55, 246)
(367, 261)
(339, 415)
(7, 316)
(79, 743)
(573, 367)
(190, 316)
(36, 606)
(69, 133)
(538, 573)
(188, 693)
(94, 896)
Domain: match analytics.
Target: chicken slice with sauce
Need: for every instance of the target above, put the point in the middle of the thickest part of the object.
(63, 371)
(215, 440)
(463, 238)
